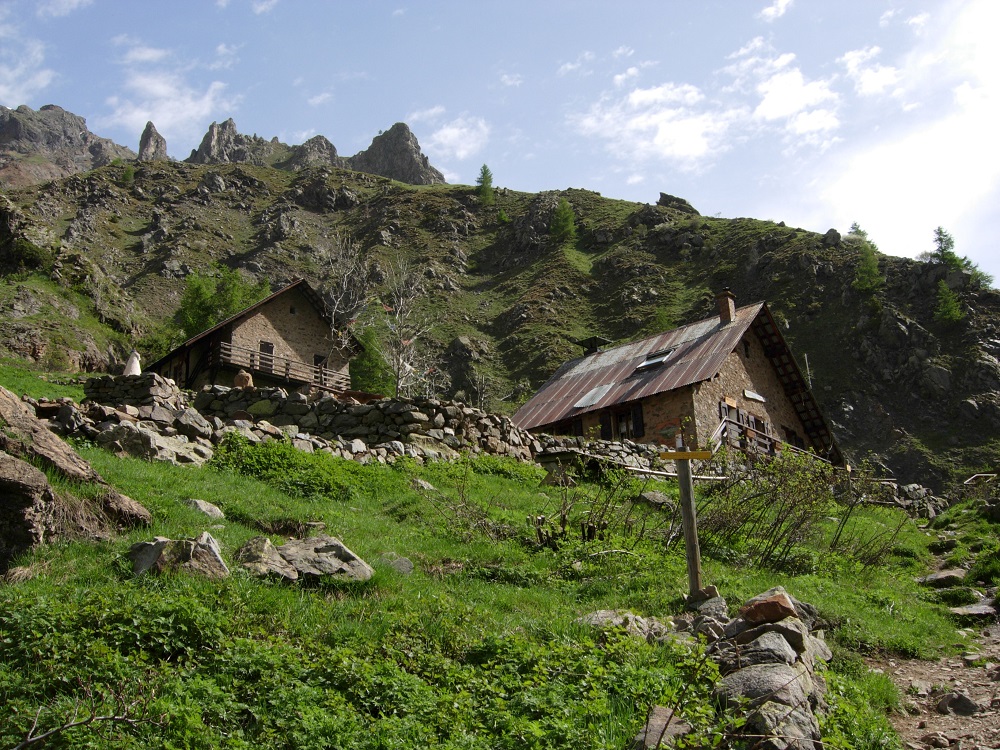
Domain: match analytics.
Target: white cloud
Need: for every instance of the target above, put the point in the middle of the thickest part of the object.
(398, 12)
(511, 79)
(622, 78)
(177, 108)
(918, 22)
(775, 10)
(571, 67)
(658, 123)
(623, 51)
(23, 74)
(141, 54)
(222, 3)
(787, 93)
(315, 101)
(459, 139)
(869, 79)
(59, 8)
(635, 179)
(225, 57)
(668, 93)
(263, 6)
(942, 169)
(426, 115)
(887, 17)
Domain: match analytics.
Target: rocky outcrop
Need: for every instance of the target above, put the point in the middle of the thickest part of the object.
(31, 512)
(223, 144)
(396, 154)
(152, 145)
(27, 508)
(26, 436)
(58, 139)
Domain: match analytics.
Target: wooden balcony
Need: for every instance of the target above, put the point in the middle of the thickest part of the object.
(276, 367)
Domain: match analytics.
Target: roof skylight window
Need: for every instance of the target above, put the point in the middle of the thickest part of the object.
(656, 358)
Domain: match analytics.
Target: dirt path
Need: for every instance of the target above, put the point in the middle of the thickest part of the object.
(927, 685)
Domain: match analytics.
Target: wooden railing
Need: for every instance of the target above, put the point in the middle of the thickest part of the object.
(275, 366)
(730, 432)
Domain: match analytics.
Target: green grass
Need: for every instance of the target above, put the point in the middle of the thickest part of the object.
(477, 648)
(21, 379)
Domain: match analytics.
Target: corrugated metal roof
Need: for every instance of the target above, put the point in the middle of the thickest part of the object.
(699, 351)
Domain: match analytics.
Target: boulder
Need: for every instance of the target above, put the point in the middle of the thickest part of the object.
(769, 607)
(27, 508)
(260, 558)
(26, 436)
(943, 579)
(760, 683)
(201, 556)
(210, 510)
(661, 730)
(325, 556)
(650, 629)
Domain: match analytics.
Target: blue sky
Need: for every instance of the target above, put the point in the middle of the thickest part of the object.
(812, 112)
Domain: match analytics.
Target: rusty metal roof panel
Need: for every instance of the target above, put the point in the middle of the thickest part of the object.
(636, 370)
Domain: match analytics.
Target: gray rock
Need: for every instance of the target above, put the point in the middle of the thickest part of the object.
(27, 508)
(662, 729)
(201, 556)
(715, 607)
(190, 423)
(760, 683)
(261, 559)
(325, 556)
(768, 648)
(210, 510)
(152, 145)
(647, 628)
(959, 704)
(986, 610)
(944, 578)
(783, 728)
(791, 629)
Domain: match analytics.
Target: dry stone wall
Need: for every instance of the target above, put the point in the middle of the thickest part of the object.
(147, 389)
(451, 426)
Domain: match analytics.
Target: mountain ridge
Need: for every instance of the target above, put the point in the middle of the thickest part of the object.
(51, 143)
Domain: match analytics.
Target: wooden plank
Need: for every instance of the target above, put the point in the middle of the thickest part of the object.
(681, 455)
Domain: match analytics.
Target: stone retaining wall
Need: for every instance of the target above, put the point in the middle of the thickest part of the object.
(454, 426)
(146, 389)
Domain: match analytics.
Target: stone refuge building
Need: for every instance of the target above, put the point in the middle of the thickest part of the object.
(729, 379)
(282, 340)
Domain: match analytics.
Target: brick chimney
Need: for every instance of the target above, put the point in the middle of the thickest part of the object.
(727, 306)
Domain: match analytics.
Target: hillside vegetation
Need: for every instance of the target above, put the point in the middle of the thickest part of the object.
(478, 647)
(97, 262)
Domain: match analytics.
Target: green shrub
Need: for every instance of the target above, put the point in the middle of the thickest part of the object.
(986, 568)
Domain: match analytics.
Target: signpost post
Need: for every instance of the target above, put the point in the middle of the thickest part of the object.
(682, 459)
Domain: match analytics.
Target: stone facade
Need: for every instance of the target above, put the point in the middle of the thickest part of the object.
(294, 329)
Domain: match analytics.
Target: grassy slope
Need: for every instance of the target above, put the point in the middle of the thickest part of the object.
(476, 648)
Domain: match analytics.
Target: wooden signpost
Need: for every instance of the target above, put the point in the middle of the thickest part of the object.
(682, 459)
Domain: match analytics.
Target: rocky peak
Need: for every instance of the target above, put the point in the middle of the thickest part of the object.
(61, 137)
(396, 154)
(223, 144)
(316, 152)
(152, 145)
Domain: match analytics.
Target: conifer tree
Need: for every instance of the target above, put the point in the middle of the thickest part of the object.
(948, 310)
(485, 183)
(563, 226)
